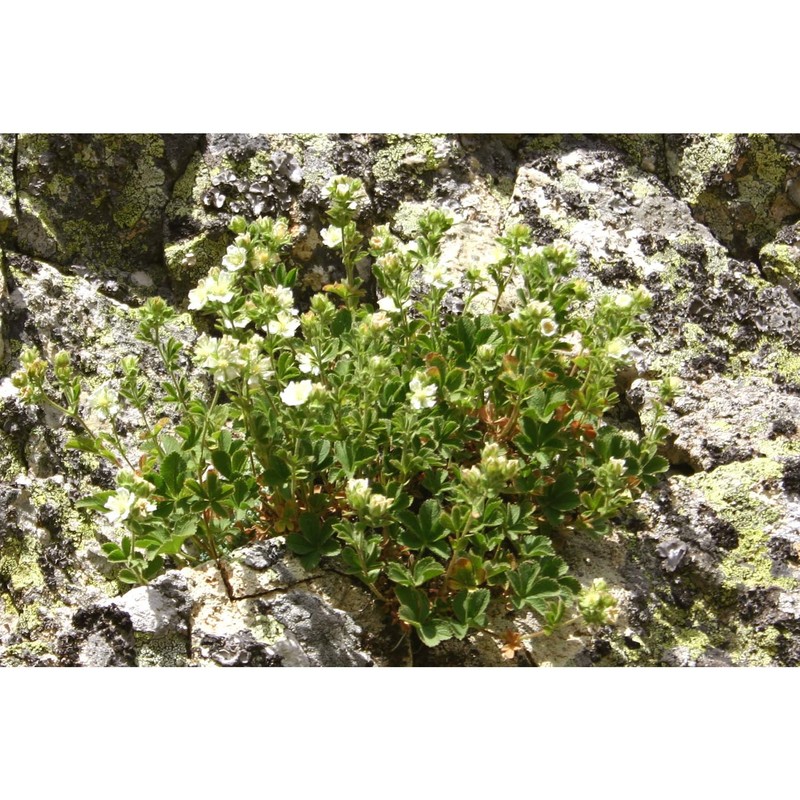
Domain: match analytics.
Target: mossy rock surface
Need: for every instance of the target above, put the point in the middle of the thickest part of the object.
(740, 186)
(97, 200)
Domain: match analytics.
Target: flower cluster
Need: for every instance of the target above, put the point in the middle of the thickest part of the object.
(228, 359)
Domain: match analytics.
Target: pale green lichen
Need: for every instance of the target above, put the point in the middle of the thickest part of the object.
(755, 648)
(161, 651)
(695, 343)
(7, 187)
(768, 358)
(710, 153)
(545, 142)
(117, 225)
(23, 654)
(140, 196)
(189, 260)
(185, 199)
(642, 188)
(19, 564)
(669, 629)
(10, 463)
(265, 628)
(643, 148)
(407, 216)
(753, 163)
(416, 153)
(737, 492)
(781, 263)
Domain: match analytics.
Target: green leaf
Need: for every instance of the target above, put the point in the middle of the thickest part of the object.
(560, 496)
(222, 463)
(470, 607)
(424, 530)
(173, 471)
(414, 606)
(113, 552)
(399, 574)
(314, 541)
(96, 502)
(184, 529)
(128, 576)
(426, 569)
(342, 323)
(434, 632)
(276, 471)
(85, 443)
(536, 546)
(322, 453)
(415, 609)
(238, 461)
(225, 440)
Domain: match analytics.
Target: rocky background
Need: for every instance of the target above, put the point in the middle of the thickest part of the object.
(706, 567)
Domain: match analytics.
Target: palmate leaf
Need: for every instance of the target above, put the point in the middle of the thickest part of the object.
(423, 571)
(469, 608)
(536, 546)
(415, 610)
(173, 473)
(314, 541)
(558, 498)
(424, 530)
(530, 588)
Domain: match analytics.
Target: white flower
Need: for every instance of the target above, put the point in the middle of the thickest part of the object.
(296, 393)
(198, 296)
(574, 341)
(259, 371)
(235, 258)
(387, 304)
(379, 505)
(540, 309)
(422, 395)
(225, 357)
(236, 322)
(307, 363)
(357, 491)
(378, 321)
(205, 350)
(616, 467)
(547, 327)
(379, 364)
(219, 285)
(623, 300)
(120, 504)
(331, 237)
(439, 276)
(285, 299)
(105, 402)
(617, 348)
(144, 507)
(284, 325)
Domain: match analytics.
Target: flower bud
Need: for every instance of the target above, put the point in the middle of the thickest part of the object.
(238, 224)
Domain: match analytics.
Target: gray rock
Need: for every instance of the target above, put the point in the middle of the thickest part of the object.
(161, 608)
(326, 636)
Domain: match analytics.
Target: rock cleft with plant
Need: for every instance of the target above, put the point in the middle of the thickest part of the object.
(436, 456)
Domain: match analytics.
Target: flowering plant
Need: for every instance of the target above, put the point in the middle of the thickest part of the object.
(437, 456)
